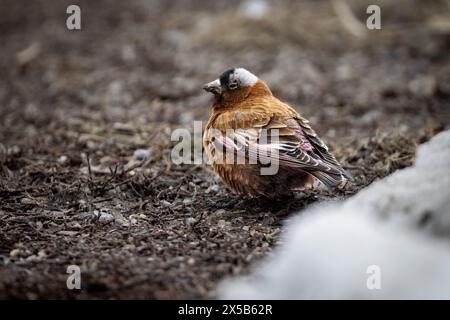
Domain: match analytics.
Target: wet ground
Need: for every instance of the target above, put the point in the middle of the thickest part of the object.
(76, 105)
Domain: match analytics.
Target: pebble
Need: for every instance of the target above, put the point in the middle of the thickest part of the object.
(141, 154)
(92, 145)
(166, 203)
(32, 258)
(105, 216)
(213, 188)
(68, 233)
(42, 253)
(14, 150)
(15, 253)
(220, 212)
(39, 225)
(142, 216)
(120, 220)
(190, 221)
(221, 223)
(129, 246)
(124, 127)
(27, 201)
(76, 225)
(82, 204)
(25, 56)
(62, 159)
(423, 86)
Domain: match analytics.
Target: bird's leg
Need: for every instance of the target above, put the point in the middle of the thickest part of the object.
(225, 204)
(230, 204)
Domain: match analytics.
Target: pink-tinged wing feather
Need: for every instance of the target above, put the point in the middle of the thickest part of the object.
(289, 141)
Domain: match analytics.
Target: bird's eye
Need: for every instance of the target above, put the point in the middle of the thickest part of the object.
(233, 85)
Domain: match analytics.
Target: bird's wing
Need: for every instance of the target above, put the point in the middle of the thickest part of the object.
(319, 146)
(272, 138)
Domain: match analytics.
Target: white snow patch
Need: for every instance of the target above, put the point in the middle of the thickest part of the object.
(400, 224)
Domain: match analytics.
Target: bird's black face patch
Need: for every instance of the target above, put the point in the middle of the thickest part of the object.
(225, 78)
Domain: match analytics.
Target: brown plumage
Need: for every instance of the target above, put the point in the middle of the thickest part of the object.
(244, 112)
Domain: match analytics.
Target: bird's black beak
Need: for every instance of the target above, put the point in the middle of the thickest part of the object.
(214, 87)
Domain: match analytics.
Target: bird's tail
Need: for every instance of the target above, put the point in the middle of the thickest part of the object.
(331, 180)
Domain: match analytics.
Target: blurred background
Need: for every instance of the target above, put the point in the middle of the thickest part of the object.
(147, 60)
(74, 104)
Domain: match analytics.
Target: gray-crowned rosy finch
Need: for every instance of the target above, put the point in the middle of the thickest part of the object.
(244, 109)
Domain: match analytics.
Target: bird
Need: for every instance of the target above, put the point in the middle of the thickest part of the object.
(254, 129)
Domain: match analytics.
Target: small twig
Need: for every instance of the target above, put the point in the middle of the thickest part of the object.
(89, 168)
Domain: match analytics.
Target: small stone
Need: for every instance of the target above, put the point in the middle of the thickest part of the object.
(245, 228)
(33, 257)
(27, 201)
(187, 201)
(68, 233)
(166, 203)
(105, 216)
(15, 253)
(28, 54)
(423, 86)
(62, 159)
(191, 261)
(221, 223)
(42, 253)
(141, 154)
(14, 150)
(76, 226)
(190, 221)
(96, 214)
(220, 212)
(92, 145)
(213, 188)
(39, 226)
(129, 247)
(83, 205)
(120, 220)
(142, 216)
(123, 127)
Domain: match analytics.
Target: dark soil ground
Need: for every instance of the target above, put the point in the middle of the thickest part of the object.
(75, 105)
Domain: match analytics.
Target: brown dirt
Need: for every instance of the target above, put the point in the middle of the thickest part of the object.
(74, 106)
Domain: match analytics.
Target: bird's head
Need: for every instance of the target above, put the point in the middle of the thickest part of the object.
(232, 85)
